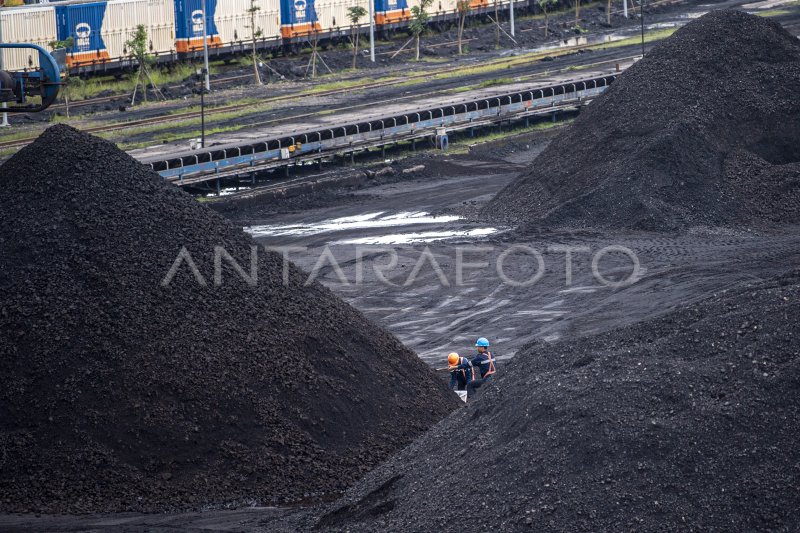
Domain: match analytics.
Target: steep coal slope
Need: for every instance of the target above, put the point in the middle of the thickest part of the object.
(687, 422)
(119, 393)
(654, 152)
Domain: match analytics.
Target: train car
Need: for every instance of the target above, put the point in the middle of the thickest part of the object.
(229, 25)
(26, 24)
(100, 30)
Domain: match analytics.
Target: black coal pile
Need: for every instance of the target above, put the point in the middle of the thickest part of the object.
(688, 422)
(122, 391)
(703, 131)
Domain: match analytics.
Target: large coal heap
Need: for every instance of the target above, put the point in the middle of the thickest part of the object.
(686, 422)
(120, 393)
(702, 132)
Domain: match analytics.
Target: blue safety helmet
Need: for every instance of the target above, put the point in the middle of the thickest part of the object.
(483, 342)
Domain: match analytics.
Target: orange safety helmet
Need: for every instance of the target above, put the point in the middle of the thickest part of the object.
(452, 358)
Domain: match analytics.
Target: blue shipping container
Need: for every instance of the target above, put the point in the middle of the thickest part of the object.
(189, 25)
(83, 23)
(298, 17)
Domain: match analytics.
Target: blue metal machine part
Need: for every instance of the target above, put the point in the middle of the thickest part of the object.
(17, 86)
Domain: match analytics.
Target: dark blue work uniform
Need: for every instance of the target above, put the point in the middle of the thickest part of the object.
(461, 374)
(484, 362)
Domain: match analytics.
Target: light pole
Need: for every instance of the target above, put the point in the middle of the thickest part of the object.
(511, 18)
(371, 30)
(205, 46)
(202, 74)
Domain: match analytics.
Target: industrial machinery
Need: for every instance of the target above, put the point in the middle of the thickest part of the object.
(17, 87)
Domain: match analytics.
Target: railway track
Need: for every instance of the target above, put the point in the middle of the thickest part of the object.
(116, 97)
(515, 61)
(229, 79)
(214, 81)
(437, 92)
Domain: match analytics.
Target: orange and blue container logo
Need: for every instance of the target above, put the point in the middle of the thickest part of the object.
(190, 26)
(298, 18)
(391, 11)
(83, 23)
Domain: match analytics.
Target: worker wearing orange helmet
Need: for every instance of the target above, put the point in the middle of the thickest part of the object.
(484, 362)
(461, 371)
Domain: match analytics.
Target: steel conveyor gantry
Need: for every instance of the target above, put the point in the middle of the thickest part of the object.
(227, 161)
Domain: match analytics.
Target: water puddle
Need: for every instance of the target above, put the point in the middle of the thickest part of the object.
(578, 40)
(227, 191)
(768, 4)
(374, 220)
(420, 237)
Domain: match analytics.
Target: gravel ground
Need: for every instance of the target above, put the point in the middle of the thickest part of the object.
(701, 132)
(120, 393)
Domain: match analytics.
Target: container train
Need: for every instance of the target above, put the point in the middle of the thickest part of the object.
(100, 29)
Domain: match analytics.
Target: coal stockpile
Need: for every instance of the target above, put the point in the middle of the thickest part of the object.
(702, 132)
(685, 423)
(125, 389)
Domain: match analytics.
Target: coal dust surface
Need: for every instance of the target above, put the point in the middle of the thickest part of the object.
(687, 422)
(127, 388)
(701, 132)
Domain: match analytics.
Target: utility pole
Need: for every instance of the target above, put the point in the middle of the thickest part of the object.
(371, 30)
(511, 18)
(205, 46)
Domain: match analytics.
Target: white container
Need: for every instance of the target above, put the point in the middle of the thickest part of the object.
(119, 26)
(123, 16)
(233, 21)
(28, 24)
(332, 14)
(162, 26)
(446, 8)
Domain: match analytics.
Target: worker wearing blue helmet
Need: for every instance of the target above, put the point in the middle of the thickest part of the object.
(484, 363)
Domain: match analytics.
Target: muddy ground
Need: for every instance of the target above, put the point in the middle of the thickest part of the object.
(433, 312)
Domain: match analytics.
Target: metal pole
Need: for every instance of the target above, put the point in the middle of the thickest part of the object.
(625, 8)
(203, 111)
(371, 30)
(641, 16)
(5, 104)
(205, 47)
(511, 19)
